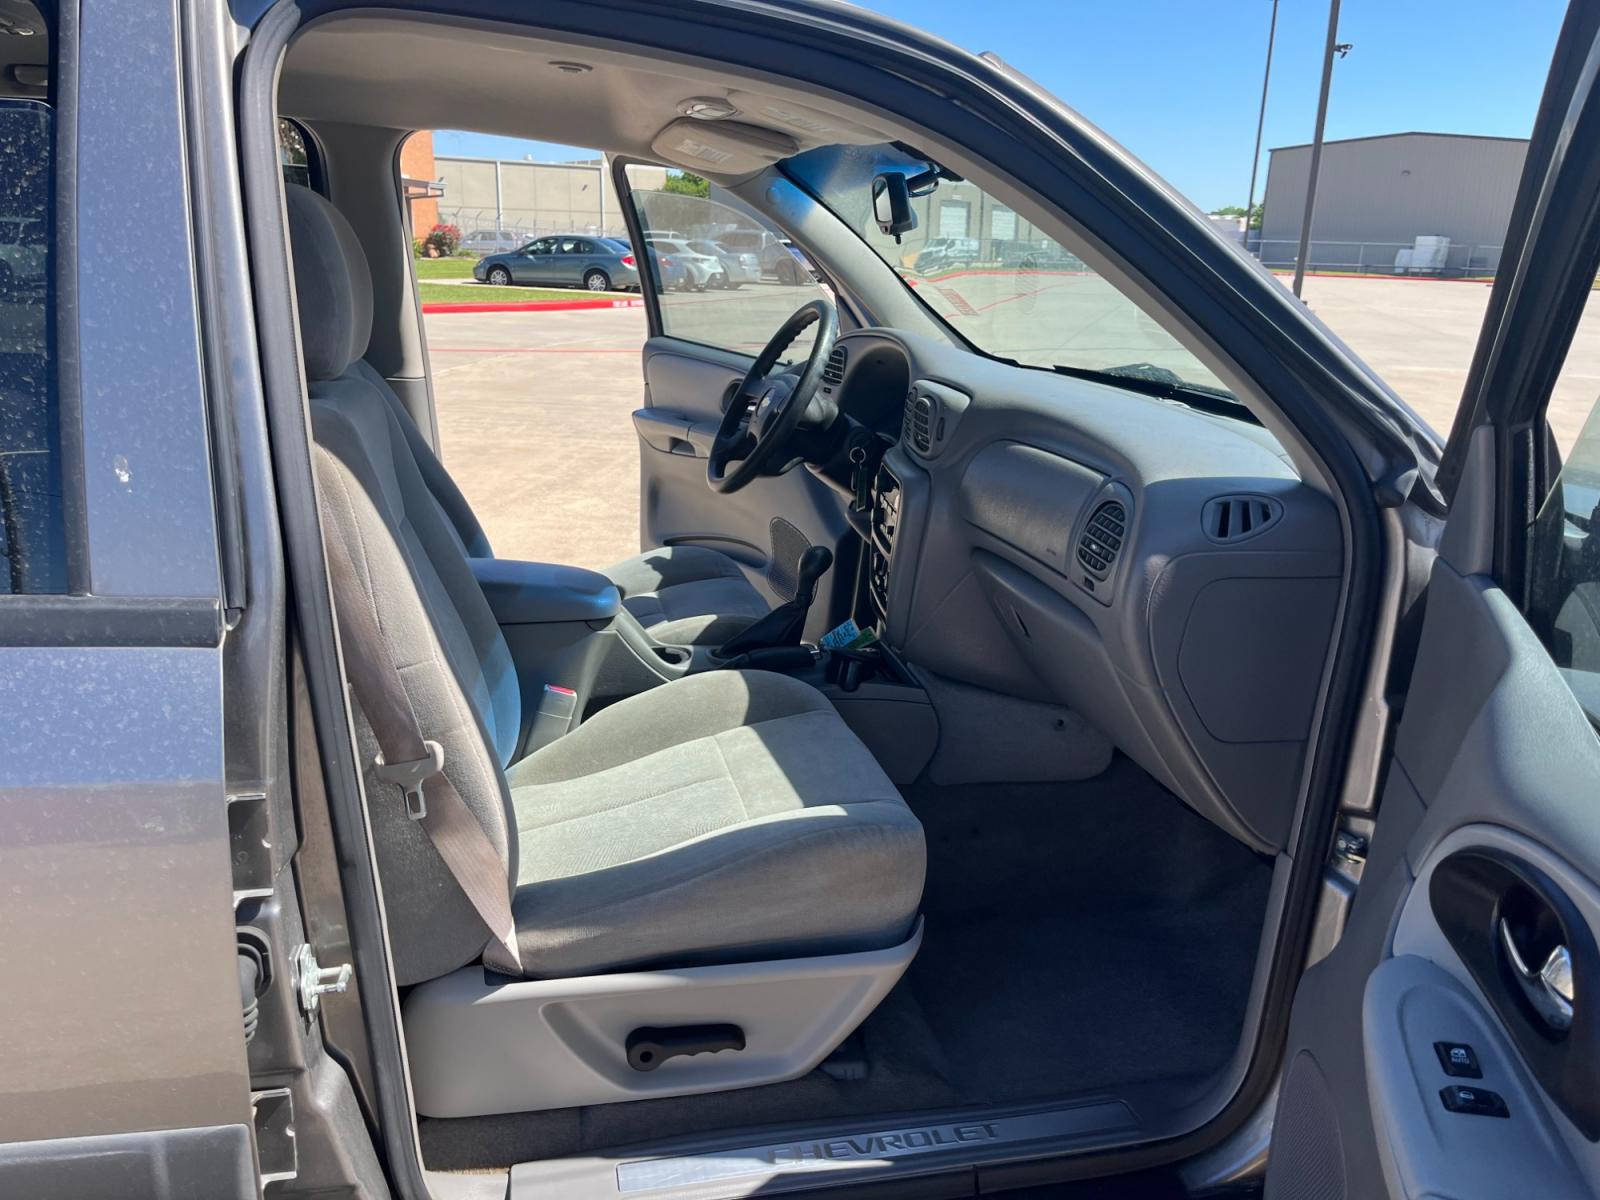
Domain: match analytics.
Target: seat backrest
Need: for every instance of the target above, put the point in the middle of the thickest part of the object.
(413, 568)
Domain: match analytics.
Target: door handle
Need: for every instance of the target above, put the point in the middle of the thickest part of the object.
(1549, 988)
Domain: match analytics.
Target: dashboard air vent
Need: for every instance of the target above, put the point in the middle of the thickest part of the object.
(1102, 538)
(917, 428)
(833, 370)
(1234, 518)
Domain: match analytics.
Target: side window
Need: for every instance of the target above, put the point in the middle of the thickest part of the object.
(706, 244)
(32, 526)
(296, 155)
(1564, 592)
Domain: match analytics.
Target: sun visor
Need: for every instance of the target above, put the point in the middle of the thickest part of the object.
(721, 147)
(811, 126)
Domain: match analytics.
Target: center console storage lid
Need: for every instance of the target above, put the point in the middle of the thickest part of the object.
(528, 593)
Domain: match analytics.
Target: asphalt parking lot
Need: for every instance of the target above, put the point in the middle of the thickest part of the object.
(534, 407)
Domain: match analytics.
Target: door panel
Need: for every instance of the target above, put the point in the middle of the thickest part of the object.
(1493, 741)
(1470, 958)
(686, 389)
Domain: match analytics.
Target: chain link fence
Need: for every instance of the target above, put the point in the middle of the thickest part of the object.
(1462, 261)
(523, 225)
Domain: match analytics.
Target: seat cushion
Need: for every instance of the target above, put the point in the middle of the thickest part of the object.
(724, 817)
(687, 595)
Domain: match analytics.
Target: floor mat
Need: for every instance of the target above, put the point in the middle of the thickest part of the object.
(1077, 935)
(1082, 935)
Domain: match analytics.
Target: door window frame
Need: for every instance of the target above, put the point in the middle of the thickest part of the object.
(1546, 278)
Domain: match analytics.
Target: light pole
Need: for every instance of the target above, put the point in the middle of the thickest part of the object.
(1316, 143)
(1261, 122)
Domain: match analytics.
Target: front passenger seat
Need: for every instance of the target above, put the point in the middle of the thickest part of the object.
(727, 817)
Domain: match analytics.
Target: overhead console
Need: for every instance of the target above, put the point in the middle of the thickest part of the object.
(1161, 571)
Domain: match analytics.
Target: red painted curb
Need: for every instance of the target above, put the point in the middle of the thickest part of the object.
(530, 306)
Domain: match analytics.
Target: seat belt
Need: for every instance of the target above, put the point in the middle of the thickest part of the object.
(409, 760)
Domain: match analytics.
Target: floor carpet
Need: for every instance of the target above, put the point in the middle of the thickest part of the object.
(1078, 935)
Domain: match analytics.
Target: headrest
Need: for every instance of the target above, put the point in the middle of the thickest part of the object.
(332, 283)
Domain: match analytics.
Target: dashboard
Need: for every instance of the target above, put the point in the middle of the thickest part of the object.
(1163, 572)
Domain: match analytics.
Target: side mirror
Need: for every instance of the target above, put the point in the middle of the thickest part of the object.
(891, 204)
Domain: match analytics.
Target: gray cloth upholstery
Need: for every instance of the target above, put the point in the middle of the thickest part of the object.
(687, 595)
(714, 818)
(455, 664)
(333, 285)
(729, 816)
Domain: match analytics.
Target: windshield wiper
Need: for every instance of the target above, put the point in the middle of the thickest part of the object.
(1150, 380)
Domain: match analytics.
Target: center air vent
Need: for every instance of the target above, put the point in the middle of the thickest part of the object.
(917, 428)
(833, 370)
(1234, 518)
(1102, 538)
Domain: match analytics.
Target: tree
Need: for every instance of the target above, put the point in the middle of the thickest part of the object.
(686, 183)
(1237, 210)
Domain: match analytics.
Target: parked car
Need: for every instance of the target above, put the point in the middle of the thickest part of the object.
(674, 274)
(943, 254)
(707, 269)
(492, 241)
(776, 255)
(564, 260)
(738, 267)
(1042, 255)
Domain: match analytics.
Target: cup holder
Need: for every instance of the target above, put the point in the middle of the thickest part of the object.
(673, 656)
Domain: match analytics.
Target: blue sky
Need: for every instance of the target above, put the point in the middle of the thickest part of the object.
(1178, 81)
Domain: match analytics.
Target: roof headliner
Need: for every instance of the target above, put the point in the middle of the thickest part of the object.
(423, 72)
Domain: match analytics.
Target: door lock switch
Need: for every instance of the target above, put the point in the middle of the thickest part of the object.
(1477, 1102)
(1458, 1059)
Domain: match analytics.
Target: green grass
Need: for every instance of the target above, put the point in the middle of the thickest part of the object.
(478, 293)
(444, 268)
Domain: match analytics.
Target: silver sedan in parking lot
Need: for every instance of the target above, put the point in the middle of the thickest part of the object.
(738, 268)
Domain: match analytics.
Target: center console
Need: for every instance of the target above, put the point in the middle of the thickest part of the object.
(576, 648)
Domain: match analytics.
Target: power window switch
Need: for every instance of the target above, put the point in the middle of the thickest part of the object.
(1477, 1102)
(1458, 1059)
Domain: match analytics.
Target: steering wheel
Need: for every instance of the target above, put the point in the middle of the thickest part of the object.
(763, 413)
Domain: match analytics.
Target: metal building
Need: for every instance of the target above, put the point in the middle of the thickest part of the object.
(531, 198)
(1377, 195)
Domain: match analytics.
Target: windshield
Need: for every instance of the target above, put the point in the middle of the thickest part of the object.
(994, 278)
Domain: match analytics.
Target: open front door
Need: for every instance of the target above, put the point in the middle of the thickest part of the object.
(717, 288)
(1449, 1046)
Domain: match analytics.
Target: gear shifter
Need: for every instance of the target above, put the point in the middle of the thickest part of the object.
(784, 625)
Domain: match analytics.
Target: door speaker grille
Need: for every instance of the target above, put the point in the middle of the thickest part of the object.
(783, 565)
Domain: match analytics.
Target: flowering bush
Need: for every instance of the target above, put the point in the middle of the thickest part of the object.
(443, 240)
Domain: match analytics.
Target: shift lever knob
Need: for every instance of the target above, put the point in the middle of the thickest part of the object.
(784, 625)
(814, 564)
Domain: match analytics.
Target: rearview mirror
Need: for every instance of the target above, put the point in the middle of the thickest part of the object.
(891, 204)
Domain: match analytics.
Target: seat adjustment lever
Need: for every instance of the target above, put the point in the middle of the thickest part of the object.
(649, 1046)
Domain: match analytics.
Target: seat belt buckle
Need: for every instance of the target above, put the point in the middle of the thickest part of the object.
(409, 776)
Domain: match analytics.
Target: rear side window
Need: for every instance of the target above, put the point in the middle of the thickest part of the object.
(722, 276)
(32, 525)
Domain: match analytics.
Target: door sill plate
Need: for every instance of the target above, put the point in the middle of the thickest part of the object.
(827, 1156)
